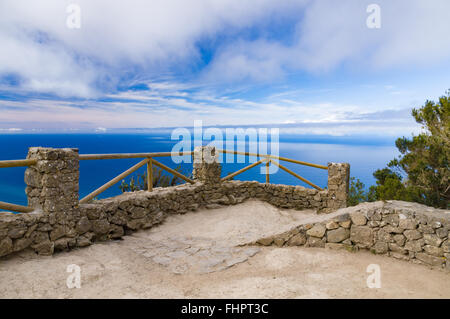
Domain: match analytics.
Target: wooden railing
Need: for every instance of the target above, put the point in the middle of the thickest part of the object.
(149, 160)
(17, 163)
(267, 159)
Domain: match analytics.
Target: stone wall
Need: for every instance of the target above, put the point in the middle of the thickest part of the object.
(60, 223)
(402, 230)
(111, 218)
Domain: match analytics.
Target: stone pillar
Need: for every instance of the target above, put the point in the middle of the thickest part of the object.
(338, 184)
(206, 166)
(52, 184)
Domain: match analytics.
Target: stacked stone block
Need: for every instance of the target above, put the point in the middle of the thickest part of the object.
(52, 184)
(338, 185)
(206, 166)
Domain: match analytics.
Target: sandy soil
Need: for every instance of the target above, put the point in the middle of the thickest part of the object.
(195, 256)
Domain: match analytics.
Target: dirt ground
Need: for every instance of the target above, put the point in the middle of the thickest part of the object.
(199, 255)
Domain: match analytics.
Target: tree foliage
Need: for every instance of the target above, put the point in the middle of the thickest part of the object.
(423, 160)
(356, 192)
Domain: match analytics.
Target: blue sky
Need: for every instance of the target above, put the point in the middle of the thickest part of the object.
(309, 67)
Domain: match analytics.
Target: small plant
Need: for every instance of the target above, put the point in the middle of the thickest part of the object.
(139, 182)
(356, 193)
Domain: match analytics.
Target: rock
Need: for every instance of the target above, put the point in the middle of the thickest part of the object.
(384, 236)
(332, 225)
(62, 244)
(380, 247)
(433, 240)
(391, 220)
(337, 235)
(316, 242)
(442, 232)
(318, 230)
(279, 241)
(38, 237)
(17, 232)
(45, 248)
(116, 232)
(343, 218)
(100, 227)
(93, 212)
(21, 244)
(446, 246)
(83, 225)
(358, 219)
(393, 230)
(297, 240)
(436, 224)
(137, 212)
(399, 239)
(412, 234)
(362, 235)
(396, 248)
(430, 260)
(414, 245)
(408, 223)
(6, 246)
(57, 233)
(265, 241)
(433, 250)
(426, 229)
(136, 224)
(83, 241)
(345, 224)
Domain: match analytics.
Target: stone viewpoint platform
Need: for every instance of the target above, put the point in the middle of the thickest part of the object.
(59, 222)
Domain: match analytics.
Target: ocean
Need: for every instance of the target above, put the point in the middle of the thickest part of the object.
(365, 155)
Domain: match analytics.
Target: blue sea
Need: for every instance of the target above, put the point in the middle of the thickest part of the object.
(365, 154)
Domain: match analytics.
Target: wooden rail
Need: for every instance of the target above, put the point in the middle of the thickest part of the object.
(113, 181)
(131, 155)
(174, 172)
(275, 157)
(242, 170)
(296, 175)
(16, 208)
(18, 163)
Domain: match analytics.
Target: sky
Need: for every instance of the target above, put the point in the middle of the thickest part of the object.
(308, 67)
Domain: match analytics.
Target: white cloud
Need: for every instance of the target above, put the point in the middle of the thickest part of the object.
(114, 38)
(153, 36)
(330, 33)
